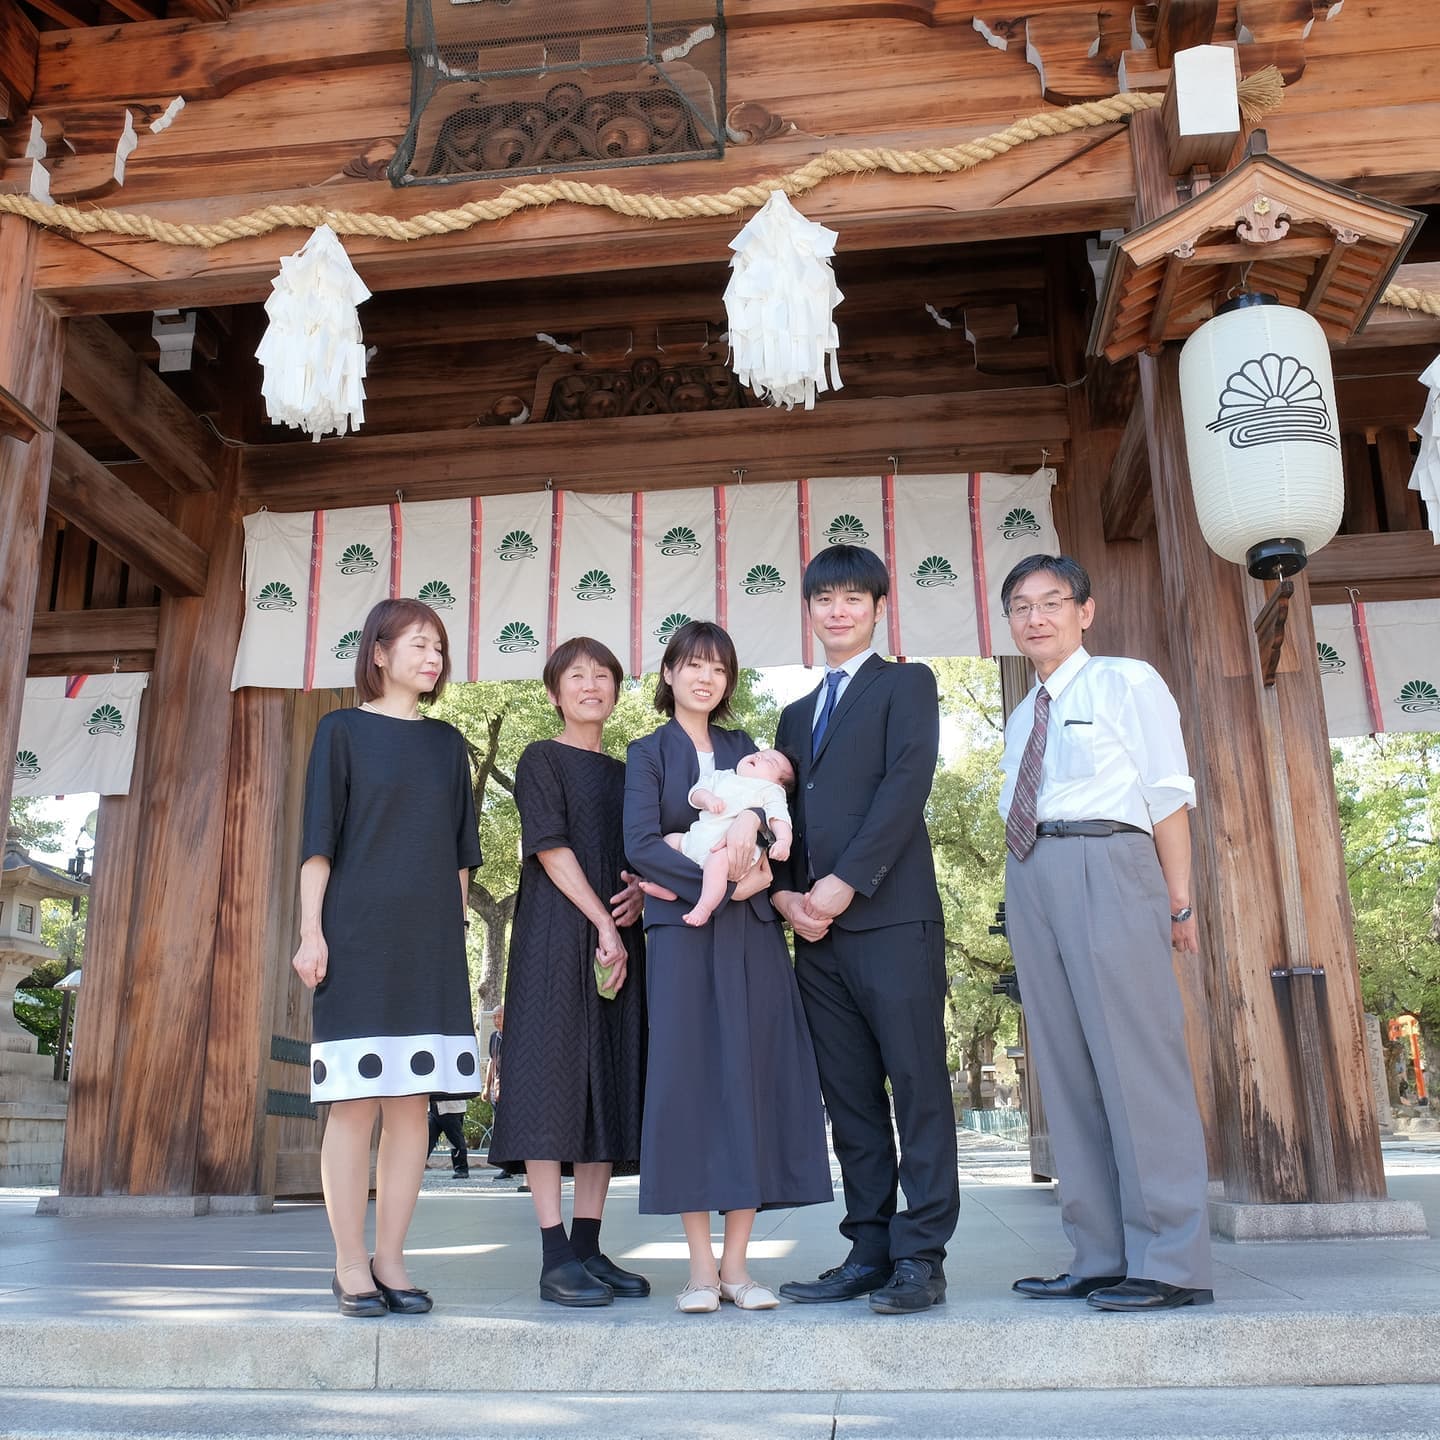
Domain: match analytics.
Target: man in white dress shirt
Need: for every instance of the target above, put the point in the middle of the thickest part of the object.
(1097, 889)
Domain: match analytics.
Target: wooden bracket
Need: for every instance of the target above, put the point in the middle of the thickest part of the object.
(1270, 629)
(18, 420)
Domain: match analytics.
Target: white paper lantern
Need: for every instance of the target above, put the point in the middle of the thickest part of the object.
(1258, 398)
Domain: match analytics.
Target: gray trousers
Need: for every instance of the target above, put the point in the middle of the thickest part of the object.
(1089, 922)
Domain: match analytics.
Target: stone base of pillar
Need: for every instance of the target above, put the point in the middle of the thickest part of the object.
(89, 1207)
(1345, 1220)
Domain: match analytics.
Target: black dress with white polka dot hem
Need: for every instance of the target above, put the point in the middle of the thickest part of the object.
(388, 802)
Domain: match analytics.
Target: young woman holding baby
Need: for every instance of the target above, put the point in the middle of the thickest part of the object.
(732, 1116)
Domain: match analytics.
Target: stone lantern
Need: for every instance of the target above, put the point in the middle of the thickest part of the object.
(32, 1101)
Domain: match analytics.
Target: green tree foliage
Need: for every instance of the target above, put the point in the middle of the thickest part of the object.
(969, 841)
(499, 719)
(1389, 792)
(36, 833)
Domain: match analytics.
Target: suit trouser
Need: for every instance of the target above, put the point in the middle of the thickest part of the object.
(875, 1002)
(1089, 922)
(454, 1128)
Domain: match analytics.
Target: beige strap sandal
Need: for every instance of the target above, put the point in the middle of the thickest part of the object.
(698, 1300)
(749, 1296)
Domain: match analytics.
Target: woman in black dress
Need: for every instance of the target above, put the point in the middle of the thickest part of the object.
(388, 845)
(574, 1060)
(732, 1112)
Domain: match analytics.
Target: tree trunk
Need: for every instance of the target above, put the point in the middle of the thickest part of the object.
(495, 916)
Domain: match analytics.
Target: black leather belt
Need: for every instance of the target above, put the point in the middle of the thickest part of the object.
(1066, 829)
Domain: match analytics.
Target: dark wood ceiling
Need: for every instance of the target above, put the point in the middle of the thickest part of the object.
(81, 14)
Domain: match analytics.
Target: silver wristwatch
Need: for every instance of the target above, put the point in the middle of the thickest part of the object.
(1183, 914)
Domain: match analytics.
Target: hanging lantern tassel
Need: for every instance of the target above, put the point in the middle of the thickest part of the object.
(312, 351)
(780, 303)
(1425, 477)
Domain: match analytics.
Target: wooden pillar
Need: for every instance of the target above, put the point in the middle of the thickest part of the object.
(141, 1061)
(31, 348)
(1293, 1126)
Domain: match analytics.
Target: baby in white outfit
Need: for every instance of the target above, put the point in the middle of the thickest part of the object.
(758, 781)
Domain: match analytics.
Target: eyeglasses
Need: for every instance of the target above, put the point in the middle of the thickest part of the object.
(1022, 611)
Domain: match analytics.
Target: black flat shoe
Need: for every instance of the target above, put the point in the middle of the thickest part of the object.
(570, 1283)
(845, 1282)
(1064, 1287)
(402, 1302)
(626, 1284)
(1142, 1295)
(358, 1306)
(915, 1285)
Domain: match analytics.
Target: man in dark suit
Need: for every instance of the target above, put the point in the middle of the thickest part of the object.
(859, 892)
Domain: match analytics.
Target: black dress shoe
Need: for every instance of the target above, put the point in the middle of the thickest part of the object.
(1148, 1295)
(402, 1302)
(570, 1283)
(626, 1284)
(915, 1285)
(359, 1306)
(1064, 1287)
(845, 1282)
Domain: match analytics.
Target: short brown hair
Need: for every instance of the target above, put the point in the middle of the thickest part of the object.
(567, 652)
(384, 625)
(707, 641)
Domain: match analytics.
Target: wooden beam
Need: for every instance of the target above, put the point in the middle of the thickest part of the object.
(1403, 565)
(19, 47)
(18, 420)
(126, 396)
(1181, 24)
(85, 492)
(71, 642)
(986, 430)
(1127, 504)
(61, 14)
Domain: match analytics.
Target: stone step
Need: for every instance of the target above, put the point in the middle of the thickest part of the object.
(467, 1408)
(974, 1346)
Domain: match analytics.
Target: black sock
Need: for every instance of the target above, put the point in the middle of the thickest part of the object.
(585, 1237)
(555, 1244)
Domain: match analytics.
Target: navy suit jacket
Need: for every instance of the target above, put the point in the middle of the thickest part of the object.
(859, 808)
(660, 771)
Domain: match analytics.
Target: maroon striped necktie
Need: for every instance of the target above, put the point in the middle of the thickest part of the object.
(1020, 823)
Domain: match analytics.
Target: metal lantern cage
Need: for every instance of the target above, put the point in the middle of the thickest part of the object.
(527, 87)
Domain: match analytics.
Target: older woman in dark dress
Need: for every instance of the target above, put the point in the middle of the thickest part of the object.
(732, 1114)
(574, 1057)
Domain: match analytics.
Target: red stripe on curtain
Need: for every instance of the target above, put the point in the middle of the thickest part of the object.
(807, 639)
(557, 526)
(722, 583)
(892, 610)
(397, 542)
(312, 598)
(1367, 664)
(977, 566)
(477, 527)
(73, 685)
(637, 581)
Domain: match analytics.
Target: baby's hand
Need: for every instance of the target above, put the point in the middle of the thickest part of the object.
(715, 805)
(780, 850)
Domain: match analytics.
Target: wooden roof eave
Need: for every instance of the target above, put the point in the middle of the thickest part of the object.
(1188, 235)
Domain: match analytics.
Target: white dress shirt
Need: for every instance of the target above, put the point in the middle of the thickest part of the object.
(848, 669)
(1113, 747)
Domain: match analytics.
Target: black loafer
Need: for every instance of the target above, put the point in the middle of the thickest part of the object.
(402, 1302)
(626, 1284)
(1064, 1287)
(915, 1285)
(357, 1306)
(845, 1282)
(570, 1283)
(1142, 1295)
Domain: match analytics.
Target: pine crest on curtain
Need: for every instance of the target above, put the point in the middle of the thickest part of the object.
(513, 574)
(1382, 657)
(78, 735)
